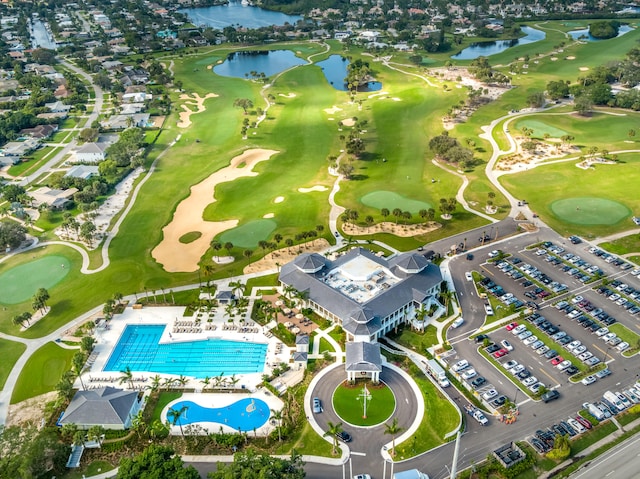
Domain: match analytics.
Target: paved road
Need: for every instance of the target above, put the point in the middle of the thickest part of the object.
(621, 462)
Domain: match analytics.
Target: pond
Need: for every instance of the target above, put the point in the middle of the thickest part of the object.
(583, 34)
(486, 49)
(334, 69)
(269, 62)
(237, 14)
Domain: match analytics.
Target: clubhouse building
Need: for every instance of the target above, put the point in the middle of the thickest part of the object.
(365, 294)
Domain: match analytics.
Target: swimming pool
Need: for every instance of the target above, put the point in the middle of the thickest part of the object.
(138, 348)
(243, 415)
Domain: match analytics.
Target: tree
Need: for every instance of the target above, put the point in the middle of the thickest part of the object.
(87, 343)
(583, 105)
(397, 212)
(40, 299)
(393, 430)
(228, 246)
(332, 431)
(12, 192)
(217, 246)
(561, 448)
(250, 464)
(536, 99)
(127, 376)
(159, 462)
(243, 103)
(127, 147)
(384, 212)
(557, 89)
(276, 415)
(12, 234)
(78, 362)
(107, 168)
(174, 416)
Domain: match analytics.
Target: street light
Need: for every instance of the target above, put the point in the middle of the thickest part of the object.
(606, 354)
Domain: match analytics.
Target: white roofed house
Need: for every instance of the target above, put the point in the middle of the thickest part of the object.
(58, 107)
(367, 295)
(91, 153)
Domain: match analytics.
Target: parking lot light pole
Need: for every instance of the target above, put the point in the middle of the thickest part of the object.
(606, 355)
(515, 398)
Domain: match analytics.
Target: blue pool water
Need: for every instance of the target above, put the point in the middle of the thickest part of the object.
(138, 349)
(243, 415)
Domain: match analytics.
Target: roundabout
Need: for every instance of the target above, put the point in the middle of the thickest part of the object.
(364, 404)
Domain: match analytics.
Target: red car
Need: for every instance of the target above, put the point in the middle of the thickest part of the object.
(500, 352)
(510, 326)
(584, 422)
(557, 360)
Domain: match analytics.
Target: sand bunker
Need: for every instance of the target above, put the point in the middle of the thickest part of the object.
(554, 59)
(313, 188)
(175, 256)
(570, 58)
(333, 110)
(279, 199)
(285, 255)
(198, 102)
(583, 69)
(348, 122)
(268, 215)
(223, 259)
(403, 231)
(288, 95)
(395, 98)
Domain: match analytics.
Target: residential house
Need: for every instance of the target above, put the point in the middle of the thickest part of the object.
(56, 199)
(40, 131)
(58, 107)
(136, 97)
(122, 122)
(109, 407)
(19, 148)
(83, 171)
(91, 153)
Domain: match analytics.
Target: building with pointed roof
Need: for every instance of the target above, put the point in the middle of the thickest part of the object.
(108, 407)
(367, 295)
(363, 360)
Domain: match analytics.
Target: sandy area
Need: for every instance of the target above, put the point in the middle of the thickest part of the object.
(195, 100)
(279, 199)
(395, 98)
(571, 57)
(348, 122)
(288, 95)
(333, 110)
(313, 188)
(403, 231)
(37, 316)
(179, 257)
(223, 259)
(584, 69)
(554, 59)
(31, 410)
(285, 255)
(269, 215)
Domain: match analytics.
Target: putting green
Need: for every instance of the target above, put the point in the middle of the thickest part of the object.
(347, 403)
(249, 234)
(590, 211)
(390, 200)
(20, 283)
(540, 128)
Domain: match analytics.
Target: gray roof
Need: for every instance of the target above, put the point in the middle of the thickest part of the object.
(411, 263)
(310, 262)
(299, 356)
(365, 318)
(363, 356)
(302, 339)
(104, 406)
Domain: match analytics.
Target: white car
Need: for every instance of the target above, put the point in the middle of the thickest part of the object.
(517, 369)
(574, 314)
(510, 364)
(576, 425)
(530, 340)
(494, 253)
(580, 349)
(573, 345)
(589, 380)
(457, 323)
(534, 388)
(460, 365)
(490, 394)
(577, 299)
(540, 351)
(524, 335)
(478, 416)
(506, 345)
(609, 336)
(601, 332)
(468, 276)
(469, 373)
(584, 356)
(622, 346)
(518, 329)
(564, 365)
(531, 380)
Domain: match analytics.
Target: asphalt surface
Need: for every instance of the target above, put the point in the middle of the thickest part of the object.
(622, 462)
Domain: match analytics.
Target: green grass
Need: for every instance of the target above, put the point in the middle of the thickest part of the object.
(625, 245)
(347, 402)
(249, 234)
(20, 283)
(419, 342)
(310, 443)
(629, 415)
(42, 372)
(539, 128)
(591, 437)
(390, 200)
(325, 346)
(11, 352)
(267, 280)
(190, 237)
(92, 469)
(564, 181)
(590, 211)
(164, 398)
(625, 334)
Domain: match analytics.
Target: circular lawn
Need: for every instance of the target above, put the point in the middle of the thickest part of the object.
(249, 234)
(391, 200)
(347, 403)
(20, 283)
(590, 211)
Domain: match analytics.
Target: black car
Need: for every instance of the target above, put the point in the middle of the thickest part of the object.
(481, 337)
(550, 396)
(469, 257)
(344, 436)
(499, 401)
(571, 370)
(524, 374)
(552, 353)
(527, 283)
(478, 382)
(492, 349)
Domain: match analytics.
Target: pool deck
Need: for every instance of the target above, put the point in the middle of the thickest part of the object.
(217, 400)
(212, 324)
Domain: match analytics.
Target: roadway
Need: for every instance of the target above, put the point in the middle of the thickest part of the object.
(621, 462)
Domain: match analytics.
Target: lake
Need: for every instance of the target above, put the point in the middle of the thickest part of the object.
(269, 62)
(583, 34)
(486, 49)
(334, 69)
(235, 14)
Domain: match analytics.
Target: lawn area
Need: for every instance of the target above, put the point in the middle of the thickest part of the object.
(325, 346)
(625, 334)
(164, 398)
(35, 161)
(92, 469)
(563, 181)
(347, 402)
(11, 352)
(309, 442)
(419, 342)
(625, 245)
(591, 437)
(42, 372)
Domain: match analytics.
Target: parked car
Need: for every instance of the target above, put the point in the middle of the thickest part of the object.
(506, 345)
(589, 380)
(550, 396)
(344, 436)
(317, 406)
(460, 365)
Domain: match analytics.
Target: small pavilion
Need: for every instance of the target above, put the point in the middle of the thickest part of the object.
(363, 360)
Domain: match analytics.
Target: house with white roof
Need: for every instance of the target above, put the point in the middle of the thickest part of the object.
(91, 153)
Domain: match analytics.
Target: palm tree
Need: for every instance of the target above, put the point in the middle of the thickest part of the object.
(333, 431)
(277, 416)
(397, 212)
(393, 429)
(182, 380)
(156, 381)
(236, 286)
(174, 416)
(127, 376)
(78, 362)
(205, 382)
(384, 212)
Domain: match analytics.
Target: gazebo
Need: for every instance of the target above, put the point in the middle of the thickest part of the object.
(363, 360)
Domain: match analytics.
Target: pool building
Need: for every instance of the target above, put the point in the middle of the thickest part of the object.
(365, 294)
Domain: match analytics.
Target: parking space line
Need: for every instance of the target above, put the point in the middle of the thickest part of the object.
(483, 267)
(598, 348)
(549, 376)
